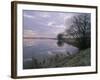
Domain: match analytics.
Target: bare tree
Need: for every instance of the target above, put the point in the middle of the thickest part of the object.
(80, 30)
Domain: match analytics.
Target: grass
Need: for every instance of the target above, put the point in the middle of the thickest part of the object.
(81, 59)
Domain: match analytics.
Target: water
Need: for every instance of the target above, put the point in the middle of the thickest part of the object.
(44, 48)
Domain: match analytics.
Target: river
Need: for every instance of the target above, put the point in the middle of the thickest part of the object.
(42, 48)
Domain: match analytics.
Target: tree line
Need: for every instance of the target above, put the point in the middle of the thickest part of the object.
(79, 32)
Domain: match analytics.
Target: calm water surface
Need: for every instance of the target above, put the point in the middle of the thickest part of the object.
(43, 48)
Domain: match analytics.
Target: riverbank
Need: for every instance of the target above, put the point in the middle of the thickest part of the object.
(81, 58)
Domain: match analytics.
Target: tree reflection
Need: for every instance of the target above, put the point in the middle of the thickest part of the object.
(60, 43)
(60, 40)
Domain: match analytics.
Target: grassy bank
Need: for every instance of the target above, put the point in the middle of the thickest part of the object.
(80, 59)
(59, 60)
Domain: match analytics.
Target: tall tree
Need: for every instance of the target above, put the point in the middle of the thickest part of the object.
(80, 30)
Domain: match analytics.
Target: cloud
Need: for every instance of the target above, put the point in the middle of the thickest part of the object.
(55, 25)
(29, 33)
(44, 14)
(50, 23)
(56, 29)
(29, 16)
(29, 42)
(60, 26)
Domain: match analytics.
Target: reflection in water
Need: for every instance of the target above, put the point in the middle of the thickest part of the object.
(28, 42)
(32, 47)
(60, 43)
(44, 48)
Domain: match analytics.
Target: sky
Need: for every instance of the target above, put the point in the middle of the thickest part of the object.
(45, 23)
